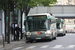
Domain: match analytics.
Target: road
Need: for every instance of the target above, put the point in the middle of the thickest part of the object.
(61, 43)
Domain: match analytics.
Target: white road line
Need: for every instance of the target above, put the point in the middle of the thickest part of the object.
(70, 34)
(44, 46)
(17, 48)
(58, 46)
(1, 46)
(70, 46)
(31, 47)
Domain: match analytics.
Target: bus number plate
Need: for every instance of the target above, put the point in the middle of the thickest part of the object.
(38, 38)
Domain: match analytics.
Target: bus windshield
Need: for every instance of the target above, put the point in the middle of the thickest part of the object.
(59, 25)
(37, 25)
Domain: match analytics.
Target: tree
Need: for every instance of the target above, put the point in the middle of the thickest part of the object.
(25, 5)
(5, 6)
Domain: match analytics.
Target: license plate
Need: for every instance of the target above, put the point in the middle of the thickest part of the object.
(38, 38)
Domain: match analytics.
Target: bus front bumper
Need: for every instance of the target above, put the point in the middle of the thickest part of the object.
(59, 32)
(37, 37)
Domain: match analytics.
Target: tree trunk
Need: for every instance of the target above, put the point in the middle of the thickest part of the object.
(27, 11)
(21, 23)
(5, 24)
(8, 24)
(14, 24)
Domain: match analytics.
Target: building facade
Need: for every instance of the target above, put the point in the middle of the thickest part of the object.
(65, 2)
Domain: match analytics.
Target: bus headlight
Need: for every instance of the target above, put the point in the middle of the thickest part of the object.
(61, 30)
(28, 33)
(48, 32)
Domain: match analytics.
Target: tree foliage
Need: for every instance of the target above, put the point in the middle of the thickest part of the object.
(32, 3)
(22, 4)
(3, 4)
(26, 3)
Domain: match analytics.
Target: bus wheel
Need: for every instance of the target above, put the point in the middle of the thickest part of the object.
(50, 39)
(64, 34)
(31, 41)
(54, 37)
(26, 41)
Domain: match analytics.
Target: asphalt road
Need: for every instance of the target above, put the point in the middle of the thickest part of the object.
(61, 43)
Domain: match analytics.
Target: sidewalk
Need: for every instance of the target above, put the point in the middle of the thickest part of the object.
(12, 45)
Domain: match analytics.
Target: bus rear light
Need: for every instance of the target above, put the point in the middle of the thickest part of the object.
(39, 32)
(63, 26)
(48, 32)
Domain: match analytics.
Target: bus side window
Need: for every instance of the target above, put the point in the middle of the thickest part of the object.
(58, 26)
(24, 22)
(49, 23)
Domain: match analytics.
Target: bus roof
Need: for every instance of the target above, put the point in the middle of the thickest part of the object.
(59, 20)
(48, 14)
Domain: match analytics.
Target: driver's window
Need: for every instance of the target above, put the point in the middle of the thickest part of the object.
(58, 25)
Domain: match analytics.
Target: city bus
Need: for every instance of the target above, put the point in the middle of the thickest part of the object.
(60, 26)
(40, 26)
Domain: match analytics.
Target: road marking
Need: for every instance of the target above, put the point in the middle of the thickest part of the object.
(70, 34)
(55, 47)
(58, 46)
(70, 46)
(31, 47)
(17, 48)
(44, 46)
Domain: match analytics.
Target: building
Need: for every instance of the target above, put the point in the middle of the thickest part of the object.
(70, 25)
(73, 2)
(65, 2)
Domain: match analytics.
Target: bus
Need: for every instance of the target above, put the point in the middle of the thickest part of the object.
(40, 26)
(60, 26)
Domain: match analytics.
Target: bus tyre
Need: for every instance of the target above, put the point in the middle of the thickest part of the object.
(26, 41)
(31, 41)
(50, 39)
(64, 34)
(54, 37)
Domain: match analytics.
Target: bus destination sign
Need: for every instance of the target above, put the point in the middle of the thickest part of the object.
(37, 17)
(58, 20)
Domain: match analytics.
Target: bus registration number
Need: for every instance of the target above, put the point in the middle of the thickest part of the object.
(37, 38)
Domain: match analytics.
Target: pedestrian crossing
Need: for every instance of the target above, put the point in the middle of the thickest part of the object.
(70, 34)
(57, 46)
(31, 47)
(17, 48)
(47, 46)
